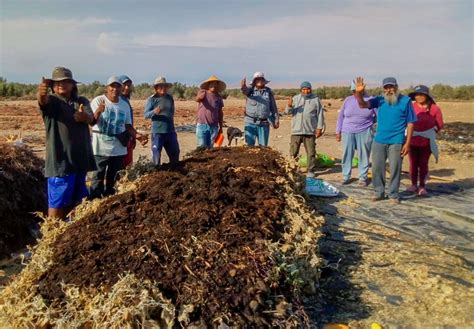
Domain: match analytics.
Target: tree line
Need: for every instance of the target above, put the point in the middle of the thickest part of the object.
(15, 90)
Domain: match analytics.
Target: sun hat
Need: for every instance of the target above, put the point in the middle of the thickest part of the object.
(421, 89)
(258, 75)
(59, 74)
(306, 84)
(113, 79)
(221, 86)
(389, 81)
(161, 81)
(124, 78)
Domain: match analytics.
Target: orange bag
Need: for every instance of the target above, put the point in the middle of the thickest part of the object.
(219, 139)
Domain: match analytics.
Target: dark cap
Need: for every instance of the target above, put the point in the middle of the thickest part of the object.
(389, 81)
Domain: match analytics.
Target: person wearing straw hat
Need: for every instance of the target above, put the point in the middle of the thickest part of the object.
(429, 121)
(159, 108)
(355, 128)
(395, 115)
(210, 116)
(110, 136)
(307, 123)
(69, 155)
(260, 110)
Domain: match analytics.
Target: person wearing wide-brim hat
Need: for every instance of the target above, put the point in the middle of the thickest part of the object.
(69, 155)
(260, 110)
(159, 108)
(210, 116)
(429, 120)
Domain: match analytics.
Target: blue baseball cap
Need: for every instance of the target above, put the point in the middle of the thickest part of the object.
(305, 84)
(124, 78)
(389, 81)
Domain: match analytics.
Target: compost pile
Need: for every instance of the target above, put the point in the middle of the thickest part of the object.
(220, 240)
(22, 192)
(458, 138)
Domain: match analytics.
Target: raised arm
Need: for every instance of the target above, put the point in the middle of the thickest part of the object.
(200, 95)
(243, 87)
(359, 93)
(289, 109)
(43, 93)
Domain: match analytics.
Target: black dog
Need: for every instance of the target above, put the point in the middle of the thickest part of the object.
(232, 133)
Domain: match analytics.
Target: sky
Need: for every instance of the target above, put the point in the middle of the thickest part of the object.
(324, 42)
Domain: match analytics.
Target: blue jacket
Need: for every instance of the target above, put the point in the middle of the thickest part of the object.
(164, 122)
(260, 106)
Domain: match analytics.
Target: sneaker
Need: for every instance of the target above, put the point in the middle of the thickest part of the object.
(362, 183)
(395, 201)
(412, 189)
(346, 182)
(422, 192)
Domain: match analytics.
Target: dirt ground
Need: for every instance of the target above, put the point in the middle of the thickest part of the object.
(405, 267)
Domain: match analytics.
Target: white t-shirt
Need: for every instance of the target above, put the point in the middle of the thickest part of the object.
(111, 122)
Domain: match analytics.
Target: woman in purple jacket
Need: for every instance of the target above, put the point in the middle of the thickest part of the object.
(355, 125)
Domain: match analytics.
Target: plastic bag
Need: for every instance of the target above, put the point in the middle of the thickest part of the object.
(322, 161)
(319, 187)
(219, 139)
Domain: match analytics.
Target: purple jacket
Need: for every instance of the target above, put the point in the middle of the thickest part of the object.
(353, 119)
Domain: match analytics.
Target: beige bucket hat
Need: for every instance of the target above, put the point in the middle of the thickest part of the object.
(161, 81)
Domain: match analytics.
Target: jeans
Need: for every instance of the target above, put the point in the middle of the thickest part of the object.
(107, 167)
(170, 142)
(362, 142)
(309, 142)
(259, 131)
(206, 134)
(419, 157)
(380, 153)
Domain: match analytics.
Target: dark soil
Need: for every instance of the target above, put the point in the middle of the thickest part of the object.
(458, 138)
(22, 191)
(197, 231)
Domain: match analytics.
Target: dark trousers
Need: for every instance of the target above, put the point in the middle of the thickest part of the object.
(419, 158)
(309, 142)
(108, 166)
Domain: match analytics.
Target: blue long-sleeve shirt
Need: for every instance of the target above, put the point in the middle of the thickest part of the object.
(163, 122)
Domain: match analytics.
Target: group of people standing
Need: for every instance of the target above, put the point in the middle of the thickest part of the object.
(70, 120)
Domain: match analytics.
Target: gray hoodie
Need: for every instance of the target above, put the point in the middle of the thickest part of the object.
(308, 114)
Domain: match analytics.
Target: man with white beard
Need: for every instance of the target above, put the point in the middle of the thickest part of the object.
(395, 114)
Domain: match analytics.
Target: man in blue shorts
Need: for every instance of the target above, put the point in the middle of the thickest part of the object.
(69, 156)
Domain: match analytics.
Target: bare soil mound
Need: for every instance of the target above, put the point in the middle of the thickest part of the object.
(458, 138)
(221, 238)
(22, 192)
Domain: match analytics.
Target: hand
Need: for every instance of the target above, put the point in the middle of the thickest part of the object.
(290, 102)
(43, 88)
(405, 149)
(243, 82)
(338, 137)
(101, 107)
(319, 133)
(142, 138)
(81, 116)
(276, 125)
(360, 85)
(157, 110)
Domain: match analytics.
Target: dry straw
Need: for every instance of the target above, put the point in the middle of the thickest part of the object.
(131, 302)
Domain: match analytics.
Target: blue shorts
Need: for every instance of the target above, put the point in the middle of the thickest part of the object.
(66, 191)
